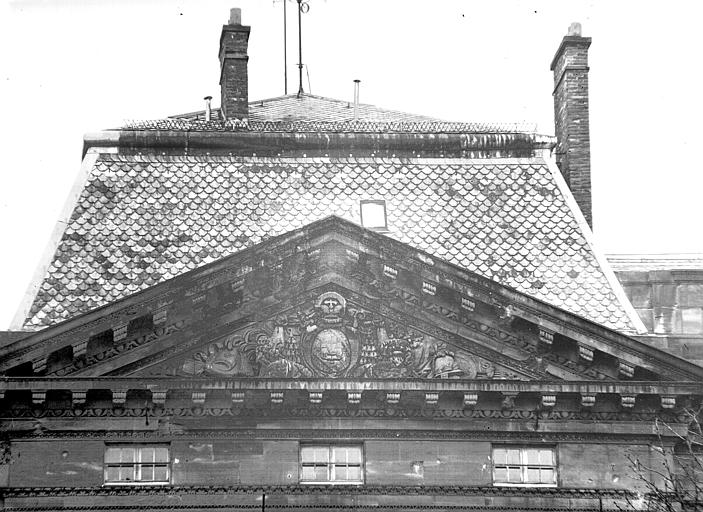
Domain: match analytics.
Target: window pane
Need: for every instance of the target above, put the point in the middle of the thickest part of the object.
(547, 476)
(346, 454)
(691, 320)
(340, 473)
(126, 474)
(514, 457)
(532, 476)
(161, 454)
(354, 473)
(112, 455)
(113, 474)
(161, 473)
(531, 456)
(315, 453)
(146, 454)
(147, 473)
(308, 473)
(127, 454)
(500, 456)
(322, 473)
(546, 457)
(373, 215)
(501, 474)
(514, 475)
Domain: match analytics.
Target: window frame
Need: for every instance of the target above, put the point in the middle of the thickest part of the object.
(524, 466)
(331, 464)
(381, 202)
(137, 464)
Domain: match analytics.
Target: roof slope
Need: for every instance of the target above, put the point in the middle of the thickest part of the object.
(141, 219)
(313, 108)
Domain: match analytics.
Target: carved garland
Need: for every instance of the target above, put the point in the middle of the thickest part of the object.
(283, 411)
(324, 434)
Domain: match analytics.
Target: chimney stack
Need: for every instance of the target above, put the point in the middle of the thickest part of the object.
(573, 150)
(234, 79)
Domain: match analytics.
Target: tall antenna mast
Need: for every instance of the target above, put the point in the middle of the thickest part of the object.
(303, 7)
(285, 49)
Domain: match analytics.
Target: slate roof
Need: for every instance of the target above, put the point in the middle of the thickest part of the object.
(314, 108)
(141, 219)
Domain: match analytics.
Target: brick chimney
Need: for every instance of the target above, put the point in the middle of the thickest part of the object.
(234, 79)
(573, 150)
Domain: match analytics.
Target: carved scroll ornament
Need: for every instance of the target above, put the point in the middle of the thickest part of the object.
(333, 340)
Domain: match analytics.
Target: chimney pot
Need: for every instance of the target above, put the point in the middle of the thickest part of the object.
(235, 16)
(575, 29)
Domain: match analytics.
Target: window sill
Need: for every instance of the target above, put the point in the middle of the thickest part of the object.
(358, 484)
(135, 484)
(501, 484)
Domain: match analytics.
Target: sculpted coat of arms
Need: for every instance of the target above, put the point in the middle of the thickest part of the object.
(332, 340)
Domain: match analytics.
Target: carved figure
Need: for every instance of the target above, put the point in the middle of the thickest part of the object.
(222, 358)
(331, 340)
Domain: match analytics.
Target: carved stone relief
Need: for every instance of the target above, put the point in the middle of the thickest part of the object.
(332, 340)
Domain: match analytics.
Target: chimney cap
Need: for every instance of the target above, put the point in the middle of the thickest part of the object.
(575, 29)
(235, 16)
(356, 80)
(207, 98)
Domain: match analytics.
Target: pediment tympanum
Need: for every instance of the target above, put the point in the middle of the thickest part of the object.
(333, 338)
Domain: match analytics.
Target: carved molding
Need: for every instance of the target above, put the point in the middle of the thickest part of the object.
(324, 434)
(335, 338)
(284, 411)
(317, 490)
(129, 344)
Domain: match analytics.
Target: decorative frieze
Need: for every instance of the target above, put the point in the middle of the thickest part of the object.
(237, 397)
(276, 397)
(38, 396)
(198, 397)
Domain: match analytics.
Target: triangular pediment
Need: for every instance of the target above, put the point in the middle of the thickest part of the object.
(331, 334)
(333, 300)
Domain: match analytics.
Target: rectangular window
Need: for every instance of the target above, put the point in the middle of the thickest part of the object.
(137, 464)
(691, 320)
(331, 464)
(373, 214)
(524, 466)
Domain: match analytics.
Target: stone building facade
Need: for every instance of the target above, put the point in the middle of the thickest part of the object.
(300, 304)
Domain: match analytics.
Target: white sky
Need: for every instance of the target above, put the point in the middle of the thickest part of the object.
(75, 66)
